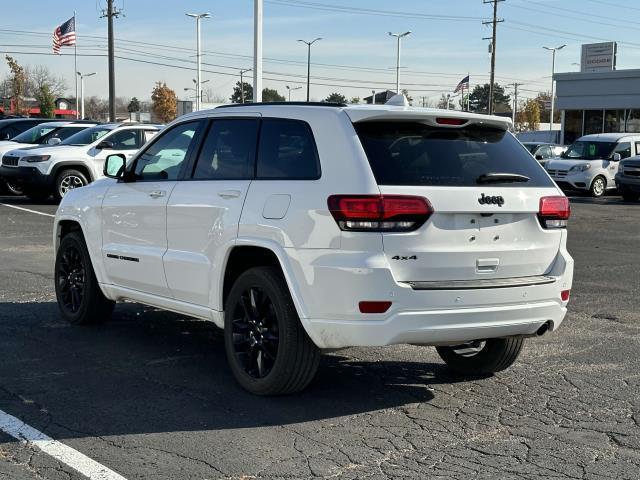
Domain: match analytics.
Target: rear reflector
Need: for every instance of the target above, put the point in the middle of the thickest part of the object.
(554, 212)
(451, 121)
(379, 213)
(564, 295)
(374, 307)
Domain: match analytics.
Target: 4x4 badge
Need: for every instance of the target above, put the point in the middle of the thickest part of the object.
(491, 200)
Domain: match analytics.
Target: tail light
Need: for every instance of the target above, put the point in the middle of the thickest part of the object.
(554, 212)
(379, 213)
(564, 295)
(451, 121)
(374, 307)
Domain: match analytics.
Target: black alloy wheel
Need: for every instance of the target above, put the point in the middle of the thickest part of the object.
(80, 300)
(268, 349)
(71, 278)
(255, 332)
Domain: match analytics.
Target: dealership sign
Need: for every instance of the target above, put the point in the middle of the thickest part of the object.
(598, 57)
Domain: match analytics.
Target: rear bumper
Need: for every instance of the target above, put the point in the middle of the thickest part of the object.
(440, 327)
(328, 287)
(27, 176)
(628, 183)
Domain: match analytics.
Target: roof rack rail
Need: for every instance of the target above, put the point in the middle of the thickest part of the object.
(299, 104)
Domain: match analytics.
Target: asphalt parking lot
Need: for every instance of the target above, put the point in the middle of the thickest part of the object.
(149, 395)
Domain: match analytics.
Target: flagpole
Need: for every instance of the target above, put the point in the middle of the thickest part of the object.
(75, 60)
(469, 92)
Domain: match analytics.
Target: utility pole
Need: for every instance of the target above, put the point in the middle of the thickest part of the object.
(242, 72)
(111, 13)
(257, 51)
(494, 23)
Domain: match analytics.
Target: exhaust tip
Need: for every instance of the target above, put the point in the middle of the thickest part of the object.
(544, 328)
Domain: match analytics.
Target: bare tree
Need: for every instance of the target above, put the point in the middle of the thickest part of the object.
(96, 108)
(18, 83)
(39, 76)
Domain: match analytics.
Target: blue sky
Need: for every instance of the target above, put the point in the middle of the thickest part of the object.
(357, 53)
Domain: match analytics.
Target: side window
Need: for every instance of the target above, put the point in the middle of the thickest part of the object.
(163, 159)
(546, 152)
(287, 151)
(637, 148)
(624, 149)
(125, 139)
(228, 151)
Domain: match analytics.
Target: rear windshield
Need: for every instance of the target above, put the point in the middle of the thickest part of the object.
(409, 153)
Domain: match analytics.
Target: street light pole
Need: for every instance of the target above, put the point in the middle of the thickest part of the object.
(308, 44)
(82, 77)
(292, 89)
(399, 36)
(553, 93)
(198, 17)
(242, 72)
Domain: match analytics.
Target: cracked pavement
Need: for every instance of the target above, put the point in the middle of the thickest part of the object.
(149, 394)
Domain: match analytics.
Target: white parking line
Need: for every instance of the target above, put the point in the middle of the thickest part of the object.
(27, 210)
(65, 454)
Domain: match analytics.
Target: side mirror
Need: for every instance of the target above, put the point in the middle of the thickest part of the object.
(5, 136)
(105, 145)
(114, 166)
(54, 141)
(616, 157)
(539, 157)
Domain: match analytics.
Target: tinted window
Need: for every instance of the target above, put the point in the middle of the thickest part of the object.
(624, 149)
(87, 136)
(585, 150)
(62, 133)
(418, 154)
(163, 159)
(287, 151)
(34, 134)
(125, 140)
(228, 151)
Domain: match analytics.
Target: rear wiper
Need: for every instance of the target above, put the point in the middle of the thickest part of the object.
(501, 178)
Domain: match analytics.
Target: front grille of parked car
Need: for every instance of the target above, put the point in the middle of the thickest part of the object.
(558, 173)
(10, 161)
(631, 171)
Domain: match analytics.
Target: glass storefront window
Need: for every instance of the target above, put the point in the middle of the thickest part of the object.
(614, 121)
(633, 121)
(572, 126)
(592, 121)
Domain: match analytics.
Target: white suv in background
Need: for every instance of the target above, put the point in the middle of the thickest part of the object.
(302, 227)
(73, 163)
(591, 162)
(48, 133)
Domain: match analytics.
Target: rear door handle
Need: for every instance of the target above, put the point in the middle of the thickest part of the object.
(157, 193)
(229, 193)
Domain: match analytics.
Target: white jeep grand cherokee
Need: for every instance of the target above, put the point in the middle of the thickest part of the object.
(299, 228)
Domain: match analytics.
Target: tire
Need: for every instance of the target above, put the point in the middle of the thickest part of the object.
(491, 356)
(67, 180)
(630, 196)
(74, 273)
(598, 187)
(13, 188)
(267, 348)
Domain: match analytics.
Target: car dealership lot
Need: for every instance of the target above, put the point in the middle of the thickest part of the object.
(149, 395)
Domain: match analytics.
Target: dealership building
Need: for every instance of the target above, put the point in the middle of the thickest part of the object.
(599, 98)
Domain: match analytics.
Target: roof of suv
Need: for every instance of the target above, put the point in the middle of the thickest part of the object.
(606, 137)
(359, 113)
(113, 126)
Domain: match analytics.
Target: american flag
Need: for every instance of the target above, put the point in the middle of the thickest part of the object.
(464, 83)
(64, 35)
